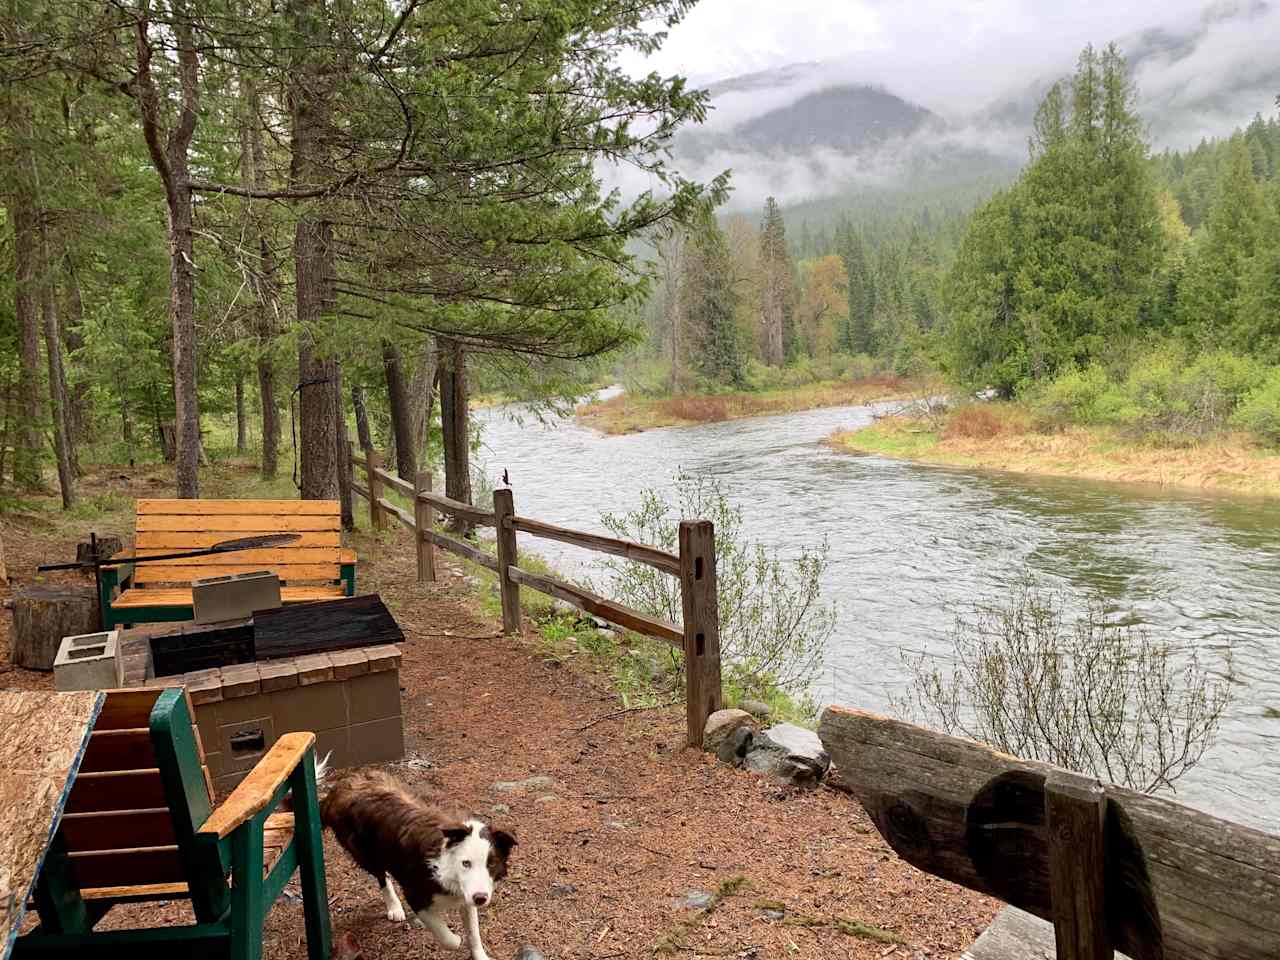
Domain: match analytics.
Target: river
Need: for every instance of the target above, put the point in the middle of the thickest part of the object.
(913, 544)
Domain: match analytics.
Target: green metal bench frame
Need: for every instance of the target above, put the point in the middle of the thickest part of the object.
(211, 844)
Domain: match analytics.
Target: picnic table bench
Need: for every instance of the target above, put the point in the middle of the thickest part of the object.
(140, 826)
(315, 567)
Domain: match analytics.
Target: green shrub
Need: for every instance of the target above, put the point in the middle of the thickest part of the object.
(1073, 395)
(1259, 412)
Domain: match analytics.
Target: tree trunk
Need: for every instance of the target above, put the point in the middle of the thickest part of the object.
(401, 415)
(73, 334)
(270, 417)
(422, 394)
(42, 616)
(26, 444)
(453, 418)
(57, 391)
(345, 501)
(242, 424)
(312, 251)
(6, 432)
(363, 437)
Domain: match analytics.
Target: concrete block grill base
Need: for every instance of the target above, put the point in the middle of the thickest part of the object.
(234, 596)
(89, 661)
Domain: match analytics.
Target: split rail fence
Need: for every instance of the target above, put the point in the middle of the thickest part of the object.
(694, 567)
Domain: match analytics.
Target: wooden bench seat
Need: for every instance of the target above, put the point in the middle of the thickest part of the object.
(315, 567)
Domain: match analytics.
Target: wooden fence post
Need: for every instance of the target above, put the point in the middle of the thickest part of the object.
(1075, 822)
(372, 462)
(503, 510)
(423, 520)
(701, 625)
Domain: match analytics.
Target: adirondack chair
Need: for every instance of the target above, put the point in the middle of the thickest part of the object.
(140, 826)
(316, 567)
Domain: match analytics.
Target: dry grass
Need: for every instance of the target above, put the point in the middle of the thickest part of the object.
(627, 414)
(1002, 437)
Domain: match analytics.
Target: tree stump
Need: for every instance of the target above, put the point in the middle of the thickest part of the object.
(107, 548)
(42, 616)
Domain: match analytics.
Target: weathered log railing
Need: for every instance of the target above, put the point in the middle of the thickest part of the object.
(1110, 868)
(694, 566)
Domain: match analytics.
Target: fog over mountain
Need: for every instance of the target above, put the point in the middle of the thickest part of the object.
(813, 129)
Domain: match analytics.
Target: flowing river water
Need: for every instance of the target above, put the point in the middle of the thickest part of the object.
(912, 545)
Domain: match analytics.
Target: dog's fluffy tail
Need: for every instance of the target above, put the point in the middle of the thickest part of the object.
(322, 772)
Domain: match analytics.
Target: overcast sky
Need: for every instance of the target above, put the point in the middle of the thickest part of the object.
(951, 55)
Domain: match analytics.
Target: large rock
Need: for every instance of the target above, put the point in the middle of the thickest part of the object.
(735, 746)
(756, 708)
(790, 753)
(720, 725)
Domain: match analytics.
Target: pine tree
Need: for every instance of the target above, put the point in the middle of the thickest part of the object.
(856, 335)
(778, 287)
(1257, 327)
(709, 303)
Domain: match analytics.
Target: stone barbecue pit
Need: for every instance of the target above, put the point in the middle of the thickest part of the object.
(349, 698)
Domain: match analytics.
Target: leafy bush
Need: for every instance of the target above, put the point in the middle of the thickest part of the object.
(1085, 693)
(1072, 396)
(1259, 412)
(774, 626)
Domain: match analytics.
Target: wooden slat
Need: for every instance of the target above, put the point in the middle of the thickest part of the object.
(164, 573)
(362, 491)
(273, 556)
(157, 541)
(393, 480)
(210, 508)
(478, 517)
(127, 749)
(118, 830)
(181, 596)
(615, 613)
(256, 790)
(119, 790)
(461, 548)
(146, 891)
(358, 460)
(128, 709)
(141, 865)
(1181, 885)
(395, 511)
(236, 525)
(639, 552)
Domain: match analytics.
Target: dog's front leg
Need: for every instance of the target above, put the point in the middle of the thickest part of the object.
(440, 930)
(472, 917)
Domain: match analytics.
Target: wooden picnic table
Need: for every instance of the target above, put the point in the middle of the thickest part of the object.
(43, 736)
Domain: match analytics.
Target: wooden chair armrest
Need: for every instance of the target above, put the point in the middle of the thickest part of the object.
(346, 555)
(256, 790)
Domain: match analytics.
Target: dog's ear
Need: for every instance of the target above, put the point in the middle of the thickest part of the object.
(454, 834)
(502, 842)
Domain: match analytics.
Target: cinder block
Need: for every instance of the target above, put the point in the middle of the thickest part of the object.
(314, 668)
(203, 686)
(89, 661)
(348, 664)
(333, 743)
(227, 782)
(278, 675)
(244, 708)
(207, 724)
(234, 596)
(375, 696)
(385, 656)
(240, 680)
(214, 762)
(318, 706)
(243, 744)
(381, 741)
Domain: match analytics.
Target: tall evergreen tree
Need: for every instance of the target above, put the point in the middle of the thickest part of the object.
(777, 287)
(710, 302)
(857, 334)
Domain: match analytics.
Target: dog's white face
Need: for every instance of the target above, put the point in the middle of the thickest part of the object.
(472, 858)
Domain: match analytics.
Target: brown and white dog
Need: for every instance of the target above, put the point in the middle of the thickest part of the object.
(442, 861)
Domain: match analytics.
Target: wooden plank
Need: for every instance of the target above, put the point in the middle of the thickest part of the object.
(461, 548)
(358, 460)
(156, 541)
(145, 597)
(362, 491)
(639, 552)
(118, 829)
(320, 628)
(128, 709)
(128, 749)
(401, 515)
(615, 613)
(1181, 885)
(116, 790)
(209, 508)
(275, 555)
(149, 891)
(509, 590)
(456, 508)
(393, 480)
(1075, 826)
(292, 572)
(44, 740)
(423, 519)
(376, 520)
(701, 636)
(238, 525)
(141, 865)
(256, 790)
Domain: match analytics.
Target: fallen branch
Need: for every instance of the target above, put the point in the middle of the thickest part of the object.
(621, 713)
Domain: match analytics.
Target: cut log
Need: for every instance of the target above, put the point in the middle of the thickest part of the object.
(42, 616)
(107, 547)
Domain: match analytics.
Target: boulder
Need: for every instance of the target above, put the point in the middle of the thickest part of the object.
(735, 746)
(757, 709)
(789, 753)
(529, 953)
(720, 725)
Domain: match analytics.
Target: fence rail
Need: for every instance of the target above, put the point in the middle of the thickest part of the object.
(693, 566)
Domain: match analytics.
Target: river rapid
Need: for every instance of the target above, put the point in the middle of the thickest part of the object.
(912, 545)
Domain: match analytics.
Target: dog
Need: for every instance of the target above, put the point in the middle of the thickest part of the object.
(442, 860)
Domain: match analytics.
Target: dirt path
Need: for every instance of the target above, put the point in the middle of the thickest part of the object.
(627, 824)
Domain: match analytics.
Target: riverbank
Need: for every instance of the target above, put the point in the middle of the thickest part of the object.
(618, 824)
(632, 414)
(1004, 437)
